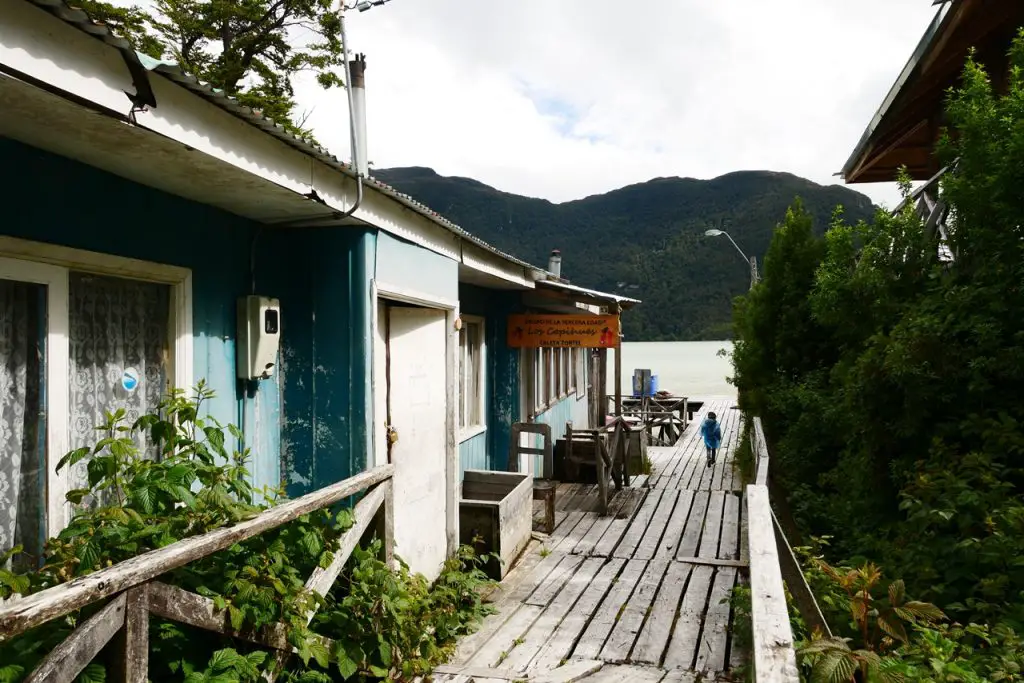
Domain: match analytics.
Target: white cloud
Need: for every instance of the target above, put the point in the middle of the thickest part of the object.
(566, 98)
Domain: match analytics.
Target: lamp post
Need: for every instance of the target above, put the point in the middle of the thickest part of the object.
(752, 261)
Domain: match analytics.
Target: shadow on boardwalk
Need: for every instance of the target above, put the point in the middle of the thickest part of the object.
(639, 596)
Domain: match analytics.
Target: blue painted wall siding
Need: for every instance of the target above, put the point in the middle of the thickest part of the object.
(503, 382)
(319, 400)
(406, 265)
(322, 279)
(473, 454)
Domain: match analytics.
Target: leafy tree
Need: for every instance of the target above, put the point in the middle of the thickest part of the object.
(891, 396)
(243, 47)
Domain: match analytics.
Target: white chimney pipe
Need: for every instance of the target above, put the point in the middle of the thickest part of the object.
(555, 263)
(358, 84)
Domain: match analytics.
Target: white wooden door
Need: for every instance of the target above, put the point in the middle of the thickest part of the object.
(417, 341)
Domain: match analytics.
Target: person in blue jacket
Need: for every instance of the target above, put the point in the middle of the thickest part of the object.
(712, 433)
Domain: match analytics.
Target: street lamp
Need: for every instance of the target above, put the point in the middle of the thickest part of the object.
(715, 232)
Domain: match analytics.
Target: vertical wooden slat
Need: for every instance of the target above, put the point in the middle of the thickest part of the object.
(132, 663)
(68, 659)
(389, 522)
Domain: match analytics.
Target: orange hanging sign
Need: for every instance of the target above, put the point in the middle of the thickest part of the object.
(584, 331)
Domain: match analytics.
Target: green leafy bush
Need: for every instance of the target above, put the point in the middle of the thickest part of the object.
(199, 484)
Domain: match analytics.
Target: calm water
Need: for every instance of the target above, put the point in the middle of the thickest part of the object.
(685, 368)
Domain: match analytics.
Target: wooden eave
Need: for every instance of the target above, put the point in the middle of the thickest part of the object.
(905, 133)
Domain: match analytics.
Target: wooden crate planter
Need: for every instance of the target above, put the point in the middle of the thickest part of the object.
(497, 507)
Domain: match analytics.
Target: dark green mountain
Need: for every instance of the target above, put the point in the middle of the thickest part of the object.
(646, 240)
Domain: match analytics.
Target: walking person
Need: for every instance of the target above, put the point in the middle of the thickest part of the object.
(712, 433)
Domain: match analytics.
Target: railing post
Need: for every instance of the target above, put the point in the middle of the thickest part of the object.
(389, 522)
(133, 641)
(774, 654)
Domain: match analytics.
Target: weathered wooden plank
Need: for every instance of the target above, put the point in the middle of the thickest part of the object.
(566, 493)
(689, 474)
(21, 615)
(611, 538)
(68, 659)
(712, 653)
(177, 604)
(638, 527)
(475, 672)
(631, 619)
(449, 678)
(565, 527)
(774, 655)
(570, 673)
(728, 548)
(760, 447)
(674, 528)
(592, 640)
(589, 542)
(678, 676)
(132, 658)
(654, 635)
(561, 642)
(323, 578)
(547, 590)
(744, 529)
(682, 647)
(627, 674)
(712, 526)
(694, 525)
(494, 651)
(540, 633)
(579, 532)
(712, 561)
(648, 546)
(506, 600)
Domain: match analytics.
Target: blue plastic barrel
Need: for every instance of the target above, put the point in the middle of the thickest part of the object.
(654, 384)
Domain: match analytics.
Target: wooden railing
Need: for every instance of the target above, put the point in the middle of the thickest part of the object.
(774, 652)
(134, 593)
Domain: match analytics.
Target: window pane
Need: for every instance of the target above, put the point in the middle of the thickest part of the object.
(23, 328)
(119, 354)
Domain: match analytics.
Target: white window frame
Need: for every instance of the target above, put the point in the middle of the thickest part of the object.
(582, 378)
(50, 265)
(468, 431)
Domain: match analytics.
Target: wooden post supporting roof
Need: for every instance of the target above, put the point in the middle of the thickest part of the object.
(618, 366)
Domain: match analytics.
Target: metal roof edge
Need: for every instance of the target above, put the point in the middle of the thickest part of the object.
(593, 293)
(82, 21)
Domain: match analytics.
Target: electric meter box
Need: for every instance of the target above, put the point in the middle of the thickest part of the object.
(259, 336)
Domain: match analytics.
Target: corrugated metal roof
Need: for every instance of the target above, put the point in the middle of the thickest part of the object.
(82, 21)
(591, 293)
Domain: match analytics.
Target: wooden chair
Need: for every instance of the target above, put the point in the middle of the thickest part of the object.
(544, 487)
(608, 463)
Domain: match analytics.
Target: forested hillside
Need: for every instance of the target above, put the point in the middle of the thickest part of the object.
(645, 240)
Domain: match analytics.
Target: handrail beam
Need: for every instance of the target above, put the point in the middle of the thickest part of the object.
(22, 614)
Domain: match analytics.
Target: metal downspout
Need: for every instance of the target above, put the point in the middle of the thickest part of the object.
(351, 116)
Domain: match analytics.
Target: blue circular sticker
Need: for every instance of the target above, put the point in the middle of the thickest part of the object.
(130, 379)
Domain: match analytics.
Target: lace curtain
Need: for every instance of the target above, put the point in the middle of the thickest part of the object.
(118, 355)
(22, 362)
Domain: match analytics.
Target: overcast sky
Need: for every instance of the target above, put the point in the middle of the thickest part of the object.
(563, 99)
(566, 98)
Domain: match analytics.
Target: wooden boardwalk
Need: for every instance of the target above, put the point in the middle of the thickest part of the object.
(638, 596)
